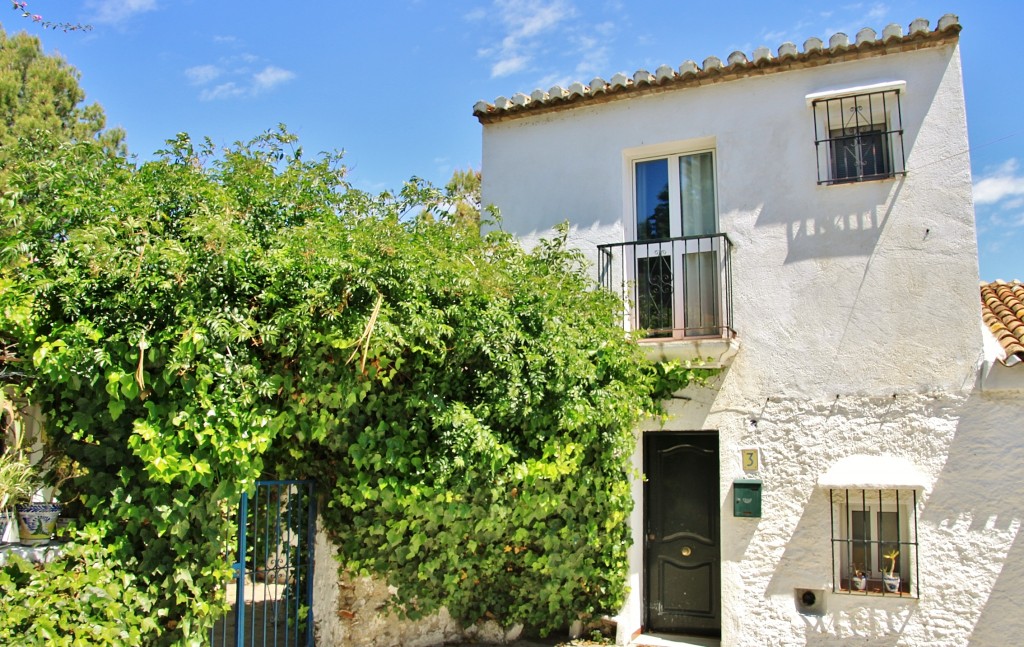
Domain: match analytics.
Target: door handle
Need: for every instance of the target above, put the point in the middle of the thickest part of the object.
(686, 551)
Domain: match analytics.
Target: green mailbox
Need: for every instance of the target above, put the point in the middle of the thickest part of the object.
(746, 498)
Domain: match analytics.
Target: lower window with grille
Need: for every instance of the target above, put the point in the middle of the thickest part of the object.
(874, 542)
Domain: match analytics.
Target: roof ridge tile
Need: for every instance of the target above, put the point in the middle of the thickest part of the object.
(867, 39)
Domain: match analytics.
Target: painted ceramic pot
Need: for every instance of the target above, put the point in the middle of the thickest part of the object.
(4, 517)
(860, 582)
(891, 583)
(36, 522)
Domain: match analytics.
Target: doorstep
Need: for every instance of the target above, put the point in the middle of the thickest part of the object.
(668, 640)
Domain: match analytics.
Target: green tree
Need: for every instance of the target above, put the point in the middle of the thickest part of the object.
(41, 94)
(201, 320)
(463, 194)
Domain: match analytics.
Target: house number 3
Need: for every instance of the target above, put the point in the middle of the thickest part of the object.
(750, 460)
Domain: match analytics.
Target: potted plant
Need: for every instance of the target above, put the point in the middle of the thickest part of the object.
(859, 580)
(18, 477)
(890, 580)
(18, 480)
(37, 519)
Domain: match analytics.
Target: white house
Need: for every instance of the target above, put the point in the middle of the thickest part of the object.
(804, 218)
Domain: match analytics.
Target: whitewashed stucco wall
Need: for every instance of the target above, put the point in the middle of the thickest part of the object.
(849, 274)
(969, 519)
(857, 312)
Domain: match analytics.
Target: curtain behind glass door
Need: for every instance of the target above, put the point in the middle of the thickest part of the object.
(700, 260)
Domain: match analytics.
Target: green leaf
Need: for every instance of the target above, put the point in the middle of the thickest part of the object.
(116, 408)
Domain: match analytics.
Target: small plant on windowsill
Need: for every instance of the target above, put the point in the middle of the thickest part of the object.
(890, 580)
(859, 580)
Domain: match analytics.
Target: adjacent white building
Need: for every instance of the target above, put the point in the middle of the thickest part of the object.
(804, 218)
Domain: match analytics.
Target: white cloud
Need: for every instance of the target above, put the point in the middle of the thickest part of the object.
(1015, 203)
(1001, 183)
(240, 59)
(594, 57)
(878, 12)
(236, 77)
(508, 66)
(115, 11)
(524, 23)
(551, 80)
(223, 91)
(269, 77)
(1003, 223)
(202, 74)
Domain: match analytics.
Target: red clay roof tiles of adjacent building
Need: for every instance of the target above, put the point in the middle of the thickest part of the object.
(1002, 310)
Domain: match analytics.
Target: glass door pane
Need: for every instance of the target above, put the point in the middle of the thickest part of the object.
(700, 296)
(697, 194)
(652, 208)
(699, 218)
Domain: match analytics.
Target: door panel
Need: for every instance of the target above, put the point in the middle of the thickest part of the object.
(682, 547)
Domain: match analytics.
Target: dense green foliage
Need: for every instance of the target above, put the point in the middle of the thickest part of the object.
(40, 98)
(86, 598)
(463, 195)
(199, 321)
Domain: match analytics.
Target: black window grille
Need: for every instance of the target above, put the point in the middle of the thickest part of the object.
(654, 295)
(859, 137)
(874, 542)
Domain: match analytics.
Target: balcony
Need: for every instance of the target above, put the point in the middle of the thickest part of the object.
(678, 291)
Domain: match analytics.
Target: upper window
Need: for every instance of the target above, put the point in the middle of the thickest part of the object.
(858, 135)
(675, 197)
(859, 153)
(680, 259)
(673, 269)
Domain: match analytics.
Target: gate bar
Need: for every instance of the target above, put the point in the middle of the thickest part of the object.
(243, 514)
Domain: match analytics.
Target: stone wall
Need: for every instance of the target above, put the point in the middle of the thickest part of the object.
(352, 612)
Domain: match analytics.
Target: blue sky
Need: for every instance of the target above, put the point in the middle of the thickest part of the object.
(393, 82)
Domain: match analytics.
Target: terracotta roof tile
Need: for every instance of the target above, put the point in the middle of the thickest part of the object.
(1002, 310)
(714, 70)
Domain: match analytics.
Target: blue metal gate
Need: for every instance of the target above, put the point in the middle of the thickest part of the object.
(272, 594)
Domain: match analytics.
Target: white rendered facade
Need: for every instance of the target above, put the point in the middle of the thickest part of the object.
(856, 317)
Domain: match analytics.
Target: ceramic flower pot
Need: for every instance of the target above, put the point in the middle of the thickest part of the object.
(891, 583)
(36, 522)
(4, 518)
(859, 582)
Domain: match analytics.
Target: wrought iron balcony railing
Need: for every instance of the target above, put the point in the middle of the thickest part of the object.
(675, 287)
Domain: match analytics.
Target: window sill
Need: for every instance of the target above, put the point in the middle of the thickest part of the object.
(861, 180)
(715, 352)
(874, 589)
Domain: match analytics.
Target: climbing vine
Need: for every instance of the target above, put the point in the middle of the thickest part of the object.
(201, 320)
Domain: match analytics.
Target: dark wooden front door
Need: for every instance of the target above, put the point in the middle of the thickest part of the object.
(682, 548)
